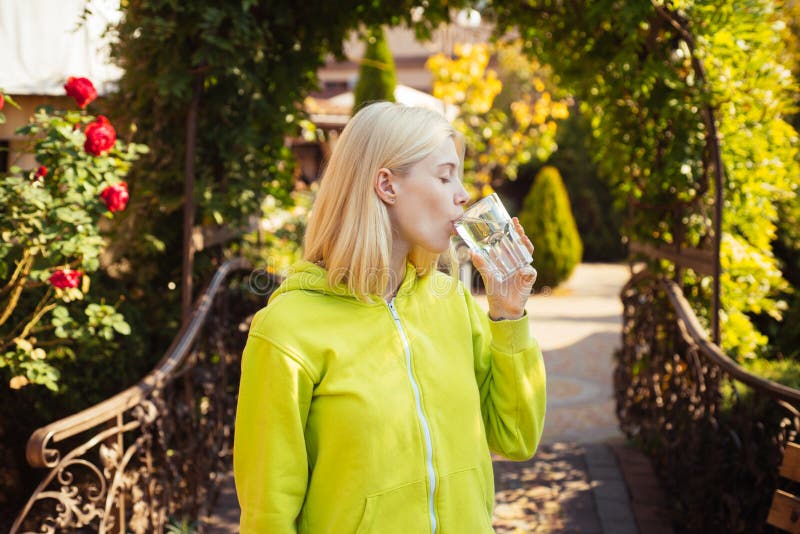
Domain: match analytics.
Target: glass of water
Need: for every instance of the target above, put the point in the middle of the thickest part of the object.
(487, 229)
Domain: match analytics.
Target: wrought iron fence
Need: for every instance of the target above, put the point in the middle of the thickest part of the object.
(155, 452)
(715, 432)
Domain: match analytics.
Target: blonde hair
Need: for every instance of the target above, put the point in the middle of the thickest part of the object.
(349, 228)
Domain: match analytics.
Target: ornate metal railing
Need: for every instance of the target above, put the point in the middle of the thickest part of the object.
(153, 453)
(715, 432)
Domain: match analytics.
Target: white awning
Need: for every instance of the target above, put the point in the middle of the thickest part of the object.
(404, 95)
(44, 42)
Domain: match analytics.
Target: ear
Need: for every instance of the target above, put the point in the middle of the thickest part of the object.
(385, 186)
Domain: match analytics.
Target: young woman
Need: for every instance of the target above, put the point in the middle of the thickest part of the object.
(373, 386)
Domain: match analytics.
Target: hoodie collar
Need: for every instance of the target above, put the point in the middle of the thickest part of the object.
(307, 276)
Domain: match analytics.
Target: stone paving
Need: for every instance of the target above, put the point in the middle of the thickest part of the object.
(584, 478)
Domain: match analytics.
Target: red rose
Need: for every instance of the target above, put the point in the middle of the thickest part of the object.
(115, 196)
(2, 101)
(81, 90)
(63, 278)
(41, 172)
(100, 136)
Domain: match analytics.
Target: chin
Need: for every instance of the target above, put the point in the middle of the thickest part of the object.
(437, 248)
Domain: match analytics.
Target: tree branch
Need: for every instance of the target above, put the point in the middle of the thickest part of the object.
(16, 290)
(35, 319)
(25, 254)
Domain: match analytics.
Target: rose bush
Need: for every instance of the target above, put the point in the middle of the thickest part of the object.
(50, 240)
(65, 278)
(82, 90)
(115, 196)
(100, 137)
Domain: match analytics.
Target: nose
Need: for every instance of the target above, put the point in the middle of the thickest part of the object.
(462, 197)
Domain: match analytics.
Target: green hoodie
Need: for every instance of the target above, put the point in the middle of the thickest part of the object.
(380, 418)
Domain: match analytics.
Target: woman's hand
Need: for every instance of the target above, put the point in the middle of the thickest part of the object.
(507, 299)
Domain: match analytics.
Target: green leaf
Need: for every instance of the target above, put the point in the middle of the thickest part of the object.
(122, 327)
(11, 101)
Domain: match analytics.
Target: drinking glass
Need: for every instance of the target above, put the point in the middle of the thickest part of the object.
(487, 229)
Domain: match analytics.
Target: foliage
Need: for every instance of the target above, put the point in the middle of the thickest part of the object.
(5, 99)
(785, 335)
(182, 526)
(547, 215)
(647, 98)
(277, 245)
(376, 74)
(506, 116)
(785, 371)
(50, 222)
(592, 202)
(747, 274)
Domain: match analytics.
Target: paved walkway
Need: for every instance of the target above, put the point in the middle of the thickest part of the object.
(584, 478)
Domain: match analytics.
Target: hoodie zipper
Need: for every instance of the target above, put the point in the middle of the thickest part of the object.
(425, 429)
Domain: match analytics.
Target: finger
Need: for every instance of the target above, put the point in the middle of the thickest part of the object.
(525, 239)
(482, 265)
(478, 261)
(530, 275)
(527, 275)
(525, 279)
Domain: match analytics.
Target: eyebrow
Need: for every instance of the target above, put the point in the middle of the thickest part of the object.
(447, 163)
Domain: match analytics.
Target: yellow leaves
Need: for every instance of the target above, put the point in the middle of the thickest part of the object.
(499, 137)
(18, 382)
(541, 109)
(527, 113)
(559, 110)
(465, 80)
(521, 112)
(472, 190)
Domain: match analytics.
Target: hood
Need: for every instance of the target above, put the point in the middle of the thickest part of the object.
(310, 277)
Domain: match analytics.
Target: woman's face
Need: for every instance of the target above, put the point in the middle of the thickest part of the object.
(429, 199)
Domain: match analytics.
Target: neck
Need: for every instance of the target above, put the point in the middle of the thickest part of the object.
(397, 269)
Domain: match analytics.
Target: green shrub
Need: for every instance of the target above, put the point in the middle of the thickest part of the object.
(784, 371)
(547, 217)
(376, 76)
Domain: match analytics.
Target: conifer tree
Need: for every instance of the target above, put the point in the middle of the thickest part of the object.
(376, 76)
(547, 217)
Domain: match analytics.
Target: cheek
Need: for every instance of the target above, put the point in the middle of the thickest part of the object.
(420, 221)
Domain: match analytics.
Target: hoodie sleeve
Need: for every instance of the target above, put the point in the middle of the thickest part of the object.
(510, 373)
(270, 464)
